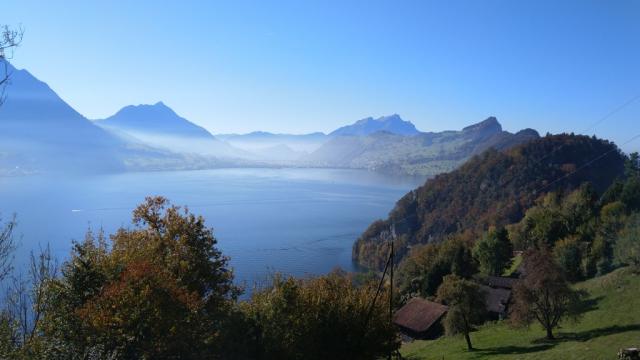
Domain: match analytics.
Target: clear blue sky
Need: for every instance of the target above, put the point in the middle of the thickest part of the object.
(302, 66)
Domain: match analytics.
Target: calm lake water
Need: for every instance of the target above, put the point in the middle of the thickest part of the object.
(296, 221)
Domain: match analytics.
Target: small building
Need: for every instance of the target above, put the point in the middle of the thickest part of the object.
(420, 319)
(497, 301)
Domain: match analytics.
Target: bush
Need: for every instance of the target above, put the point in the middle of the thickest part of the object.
(325, 317)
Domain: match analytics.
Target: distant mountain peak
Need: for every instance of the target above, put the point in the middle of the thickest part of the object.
(157, 118)
(365, 120)
(528, 132)
(490, 124)
(392, 117)
(158, 107)
(58, 137)
(391, 123)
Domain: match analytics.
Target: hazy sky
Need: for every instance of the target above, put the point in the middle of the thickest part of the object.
(302, 66)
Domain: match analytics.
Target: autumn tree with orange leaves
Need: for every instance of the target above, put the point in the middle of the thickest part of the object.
(160, 289)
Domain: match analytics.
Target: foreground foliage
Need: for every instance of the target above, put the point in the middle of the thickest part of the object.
(320, 318)
(163, 290)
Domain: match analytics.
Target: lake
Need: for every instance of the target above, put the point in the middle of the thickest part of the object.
(295, 221)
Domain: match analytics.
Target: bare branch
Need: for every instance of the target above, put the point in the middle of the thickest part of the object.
(7, 246)
(9, 40)
(17, 307)
(43, 268)
(25, 303)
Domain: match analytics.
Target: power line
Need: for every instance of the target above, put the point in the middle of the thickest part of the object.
(594, 124)
(613, 112)
(586, 164)
(552, 152)
(375, 297)
(388, 265)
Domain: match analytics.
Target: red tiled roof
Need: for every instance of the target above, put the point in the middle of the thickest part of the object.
(419, 314)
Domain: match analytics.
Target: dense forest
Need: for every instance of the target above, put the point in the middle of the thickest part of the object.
(495, 188)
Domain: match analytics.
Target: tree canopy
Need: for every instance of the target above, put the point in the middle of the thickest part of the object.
(494, 252)
(161, 289)
(544, 295)
(466, 302)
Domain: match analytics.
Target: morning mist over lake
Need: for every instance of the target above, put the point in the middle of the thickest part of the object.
(319, 180)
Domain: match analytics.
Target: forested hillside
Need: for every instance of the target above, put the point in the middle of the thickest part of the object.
(494, 188)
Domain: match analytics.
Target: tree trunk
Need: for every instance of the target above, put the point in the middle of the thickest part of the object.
(466, 337)
(550, 334)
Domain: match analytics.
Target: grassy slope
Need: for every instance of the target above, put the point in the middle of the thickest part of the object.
(611, 323)
(516, 261)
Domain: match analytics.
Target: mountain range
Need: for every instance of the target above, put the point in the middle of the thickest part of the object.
(41, 132)
(419, 154)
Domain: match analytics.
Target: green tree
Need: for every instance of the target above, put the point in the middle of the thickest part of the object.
(466, 303)
(544, 295)
(421, 273)
(632, 165)
(579, 211)
(494, 251)
(611, 221)
(83, 276)
(543, 224)
(630, 194)
(568, 253)
(161, 289)
(627, 249)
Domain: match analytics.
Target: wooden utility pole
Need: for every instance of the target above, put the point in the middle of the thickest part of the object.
(391, 258)
(391, 285)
